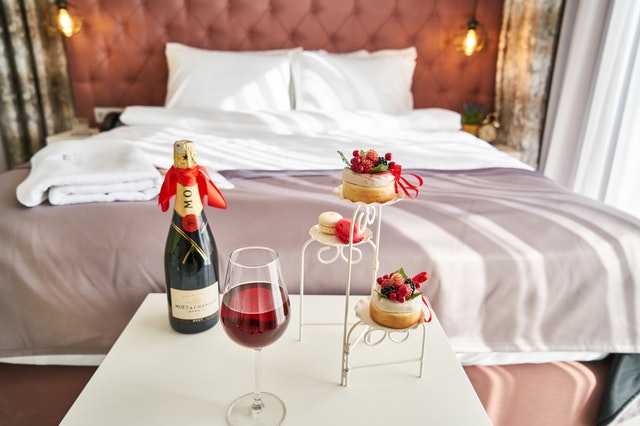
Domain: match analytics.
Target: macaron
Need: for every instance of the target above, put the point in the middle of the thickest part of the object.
(327, 222)
(343, 228)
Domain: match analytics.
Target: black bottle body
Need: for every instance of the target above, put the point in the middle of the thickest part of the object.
(191, 267)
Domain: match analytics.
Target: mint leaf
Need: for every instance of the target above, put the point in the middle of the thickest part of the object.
(344, 159)
(401, 272)
(379, 168)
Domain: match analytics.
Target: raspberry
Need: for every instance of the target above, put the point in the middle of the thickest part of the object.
(393, 296)
(408, 290)
(354, 168)
(388, 156)
(379, 280)
(356, 160)
(366, 165)
(396, 279)
(392, 164)
(372, 155)
(401, 291)
(401, 299)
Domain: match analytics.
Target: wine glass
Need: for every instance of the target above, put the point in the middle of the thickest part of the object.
(255, 312)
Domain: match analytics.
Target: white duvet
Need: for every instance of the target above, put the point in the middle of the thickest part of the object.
(119, 165)
(299, 140)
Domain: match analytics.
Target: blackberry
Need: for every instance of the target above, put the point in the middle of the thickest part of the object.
(382, 160)
(411, 283)
(387, 290)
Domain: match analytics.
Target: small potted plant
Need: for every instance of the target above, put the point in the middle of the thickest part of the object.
(472, 116)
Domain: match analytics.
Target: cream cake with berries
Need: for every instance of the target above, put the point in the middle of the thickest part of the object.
(396, 300)
(369, 177)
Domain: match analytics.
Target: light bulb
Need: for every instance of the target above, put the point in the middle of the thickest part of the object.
(471, 38)
(470, 43)
(66, 24)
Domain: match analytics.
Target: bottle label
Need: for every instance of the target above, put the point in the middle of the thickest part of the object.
(194, 304)
(188, 202)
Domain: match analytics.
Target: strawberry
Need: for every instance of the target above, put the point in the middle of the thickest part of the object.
(420, 278)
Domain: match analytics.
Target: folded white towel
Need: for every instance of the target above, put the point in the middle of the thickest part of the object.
(84, 171)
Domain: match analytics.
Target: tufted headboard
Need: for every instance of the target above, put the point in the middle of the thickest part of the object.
(117, 59)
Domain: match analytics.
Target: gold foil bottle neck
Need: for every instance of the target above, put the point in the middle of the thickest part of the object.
(184, 154)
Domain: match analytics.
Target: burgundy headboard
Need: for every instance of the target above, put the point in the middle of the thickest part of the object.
(117, 59)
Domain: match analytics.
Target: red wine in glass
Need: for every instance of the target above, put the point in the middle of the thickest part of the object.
(255, 314)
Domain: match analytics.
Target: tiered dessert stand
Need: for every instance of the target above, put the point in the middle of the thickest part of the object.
(365, 330)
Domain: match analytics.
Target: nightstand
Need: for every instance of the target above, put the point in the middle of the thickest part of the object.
(68, 135)
(155, 376)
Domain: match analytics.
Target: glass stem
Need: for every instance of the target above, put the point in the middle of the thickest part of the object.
(257, 405)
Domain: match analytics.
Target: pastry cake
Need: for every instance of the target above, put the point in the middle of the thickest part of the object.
(396, 300)
(368, 177)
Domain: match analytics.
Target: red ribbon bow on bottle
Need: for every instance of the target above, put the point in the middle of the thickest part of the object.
(404, 184)
(189, 177)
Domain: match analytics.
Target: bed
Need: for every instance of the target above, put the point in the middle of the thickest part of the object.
(524, 274)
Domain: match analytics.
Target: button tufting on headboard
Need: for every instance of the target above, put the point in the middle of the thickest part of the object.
(117, 59)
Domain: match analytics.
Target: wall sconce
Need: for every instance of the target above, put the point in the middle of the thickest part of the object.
(66, 23)
(472, 37)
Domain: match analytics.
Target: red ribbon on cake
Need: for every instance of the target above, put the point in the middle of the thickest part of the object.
(404, 184)
(426, 303)
(189, 177)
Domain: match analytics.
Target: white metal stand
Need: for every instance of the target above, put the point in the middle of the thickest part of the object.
(363, 215)
(367, 335)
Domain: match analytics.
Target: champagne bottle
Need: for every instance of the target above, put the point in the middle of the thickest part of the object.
(191, 256)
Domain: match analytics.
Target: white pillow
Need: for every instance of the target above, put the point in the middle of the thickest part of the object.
(433, 120)
(378, 81)
(257, 80)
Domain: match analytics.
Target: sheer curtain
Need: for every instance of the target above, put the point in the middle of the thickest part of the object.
(591, 142)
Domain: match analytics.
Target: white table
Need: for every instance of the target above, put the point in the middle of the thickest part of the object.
(155, 376)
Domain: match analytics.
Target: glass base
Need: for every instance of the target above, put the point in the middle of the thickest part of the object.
(241, 412)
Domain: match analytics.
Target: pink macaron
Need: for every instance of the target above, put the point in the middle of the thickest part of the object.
(343, 228)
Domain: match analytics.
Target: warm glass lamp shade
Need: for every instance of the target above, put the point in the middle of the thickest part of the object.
(66, 23)
(471, 39)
